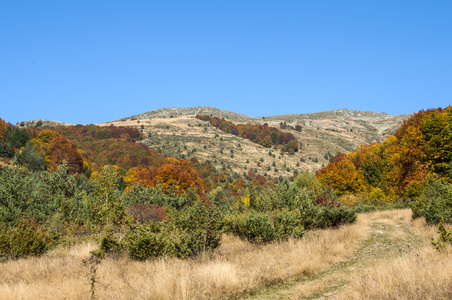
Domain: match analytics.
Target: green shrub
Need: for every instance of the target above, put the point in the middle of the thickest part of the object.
(31, 158)
(25, 239)
(109, 245)
(336, 216)
(288, 224)
(144, 243)
(186, 233)
(16, 189)
(435, 203)
(259, 228)
(253, 226)
(445, 237)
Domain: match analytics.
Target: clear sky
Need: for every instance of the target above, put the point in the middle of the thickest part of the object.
(99, 60)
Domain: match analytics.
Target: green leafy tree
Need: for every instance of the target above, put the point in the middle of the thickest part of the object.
(30, 157)
(104, 204)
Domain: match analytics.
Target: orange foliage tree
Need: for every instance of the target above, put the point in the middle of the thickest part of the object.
(172, 173)
(57, 149)
(342, 175)
(3, 127)
(61, 149)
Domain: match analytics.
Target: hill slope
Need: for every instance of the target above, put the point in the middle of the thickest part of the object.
(176, 132)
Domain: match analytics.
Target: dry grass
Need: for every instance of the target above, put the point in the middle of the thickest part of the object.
(240, 268)
(423, 275)
(237, 268)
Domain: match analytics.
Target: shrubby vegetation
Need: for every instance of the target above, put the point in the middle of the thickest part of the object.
(147, 221)
(65, 184)
(160, 210)
(435, 203)
(282, 213)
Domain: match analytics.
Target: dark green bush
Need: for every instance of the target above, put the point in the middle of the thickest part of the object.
(435, 203)
(16, 138)
(16, 187)
(25, 239)
(109, 245)
(252, 226)
(334, 217)
(144, 242)
(150, 241)
(258, 228)
(288, 224)
(31, 158)
(186, 233)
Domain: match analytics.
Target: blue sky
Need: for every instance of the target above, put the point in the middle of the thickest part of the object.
(95, 61)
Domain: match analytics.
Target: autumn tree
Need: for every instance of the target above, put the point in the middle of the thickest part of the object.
(238, 184)
(61, 149)
(342, 175)
(399, 166)
(292, 145)
(368, 159)
(103, 145)
(436, 130)
(3, 127)
(173, 173)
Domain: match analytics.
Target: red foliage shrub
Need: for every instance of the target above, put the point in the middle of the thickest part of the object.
(146, 213)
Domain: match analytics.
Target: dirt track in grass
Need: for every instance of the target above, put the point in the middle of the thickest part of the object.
(391, 235)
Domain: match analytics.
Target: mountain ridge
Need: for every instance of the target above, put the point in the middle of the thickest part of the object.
(178, 111)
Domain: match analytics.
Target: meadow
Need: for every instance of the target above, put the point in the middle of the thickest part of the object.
(384, 255)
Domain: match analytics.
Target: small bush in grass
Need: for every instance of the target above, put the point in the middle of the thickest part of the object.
(109, 245)
(144, 243)
(336, 216)
(445, 237)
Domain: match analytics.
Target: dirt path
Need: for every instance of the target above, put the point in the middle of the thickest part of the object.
(390, 236)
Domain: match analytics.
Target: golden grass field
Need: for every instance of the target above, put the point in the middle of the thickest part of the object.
(385, 255)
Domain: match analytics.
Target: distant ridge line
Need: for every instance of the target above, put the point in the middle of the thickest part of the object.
(182, 111)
